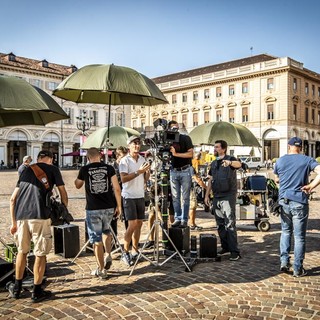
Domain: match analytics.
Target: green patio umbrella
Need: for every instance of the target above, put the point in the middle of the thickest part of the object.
(23, 104)
(233, 134)
(117, 137)
(112, 85)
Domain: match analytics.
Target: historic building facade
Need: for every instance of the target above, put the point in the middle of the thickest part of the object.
(60, 137)
(276, 98)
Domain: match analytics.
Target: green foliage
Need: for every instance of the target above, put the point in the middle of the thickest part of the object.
(318, 159)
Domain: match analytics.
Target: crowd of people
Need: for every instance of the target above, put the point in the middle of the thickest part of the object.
(118, 190)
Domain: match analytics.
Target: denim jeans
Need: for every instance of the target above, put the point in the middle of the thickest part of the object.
(98, 222)
(180, 183)
(294, 220)
(224, 211)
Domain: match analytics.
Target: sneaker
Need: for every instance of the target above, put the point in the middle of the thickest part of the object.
(101, 274)
(149, 244)
(234, 256)
(14, 292)
(134, 256)
(301, 273)
(196, 228)
(183, 224)
(108, 262)
(176, 224)
(285, 267)
(42, 295)
(223, 251)
(126, 259)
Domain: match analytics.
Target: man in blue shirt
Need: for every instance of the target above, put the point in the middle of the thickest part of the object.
(292, 173)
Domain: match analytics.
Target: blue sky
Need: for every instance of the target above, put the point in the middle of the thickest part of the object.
(160, 37)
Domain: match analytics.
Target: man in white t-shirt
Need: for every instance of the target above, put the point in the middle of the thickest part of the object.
(134, 172)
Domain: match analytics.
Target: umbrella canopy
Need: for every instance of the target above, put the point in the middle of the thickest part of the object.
(117, 137)
(23, 104)
(108, 83)
(233, 134)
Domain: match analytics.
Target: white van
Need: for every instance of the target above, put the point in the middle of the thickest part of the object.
(252, 162)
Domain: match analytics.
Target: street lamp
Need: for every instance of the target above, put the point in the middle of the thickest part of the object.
(84, 124)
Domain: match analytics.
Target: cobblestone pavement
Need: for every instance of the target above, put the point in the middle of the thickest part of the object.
(251, 288)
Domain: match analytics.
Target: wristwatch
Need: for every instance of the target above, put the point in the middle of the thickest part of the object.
(136, 173)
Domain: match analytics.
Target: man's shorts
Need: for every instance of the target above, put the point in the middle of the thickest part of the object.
(39, 232)
(134, 209)
(98, 223)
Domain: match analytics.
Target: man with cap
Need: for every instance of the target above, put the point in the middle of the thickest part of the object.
(30, 221)
(26, 163)
(134, 172)
(292, 173)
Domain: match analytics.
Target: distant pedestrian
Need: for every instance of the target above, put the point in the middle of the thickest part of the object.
(25, 164)
(292, 173)
(2, 164)
(17, 163)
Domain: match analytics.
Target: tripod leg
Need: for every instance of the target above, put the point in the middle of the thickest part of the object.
(117, 242)
(176, 250)
(142, 249)
(78, 254)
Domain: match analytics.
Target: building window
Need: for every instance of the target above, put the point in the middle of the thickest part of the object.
(306, 88)
(218, 115)
(270, 113)
(94, 117)
(245, 87)
(207, 117)
(295, 84)
(270, 84)
(318, 92)
(245, 117)
(184, 97)
(120, 119)
(134, 124)
(69, 112)
(318, 117)
(195, 119)
(206, 94)
(143, 124)
(307, 115)
(313, 90)
(295, 112)
(174, 99)
(231, 115)
(36, 82)
(184, 119)
(218, 92)
(51, 85)
(195, 95)
(231, 90)
(312, 116)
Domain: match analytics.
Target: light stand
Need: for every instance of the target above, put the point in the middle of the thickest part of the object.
(159, 223)
(84, 124)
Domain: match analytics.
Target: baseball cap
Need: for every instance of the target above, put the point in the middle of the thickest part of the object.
(132, 138)
(25, 158)
(295, 141)
(45, 153)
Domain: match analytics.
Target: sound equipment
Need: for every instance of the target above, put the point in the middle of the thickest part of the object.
(256, 183)
(208, 246)
(6, 272)
(66, 240)
(181, 239)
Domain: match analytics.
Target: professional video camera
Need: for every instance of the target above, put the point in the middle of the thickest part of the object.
(165, 138)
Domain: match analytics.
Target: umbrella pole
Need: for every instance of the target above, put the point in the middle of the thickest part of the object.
(107, 143)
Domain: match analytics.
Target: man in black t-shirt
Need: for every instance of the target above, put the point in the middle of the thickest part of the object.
(223, 183)
(31, 221)
(181, 176)
(103, 195)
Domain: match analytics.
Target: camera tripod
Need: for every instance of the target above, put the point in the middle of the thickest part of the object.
(160, 223)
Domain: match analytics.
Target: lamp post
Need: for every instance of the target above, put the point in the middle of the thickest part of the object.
(84, 124)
